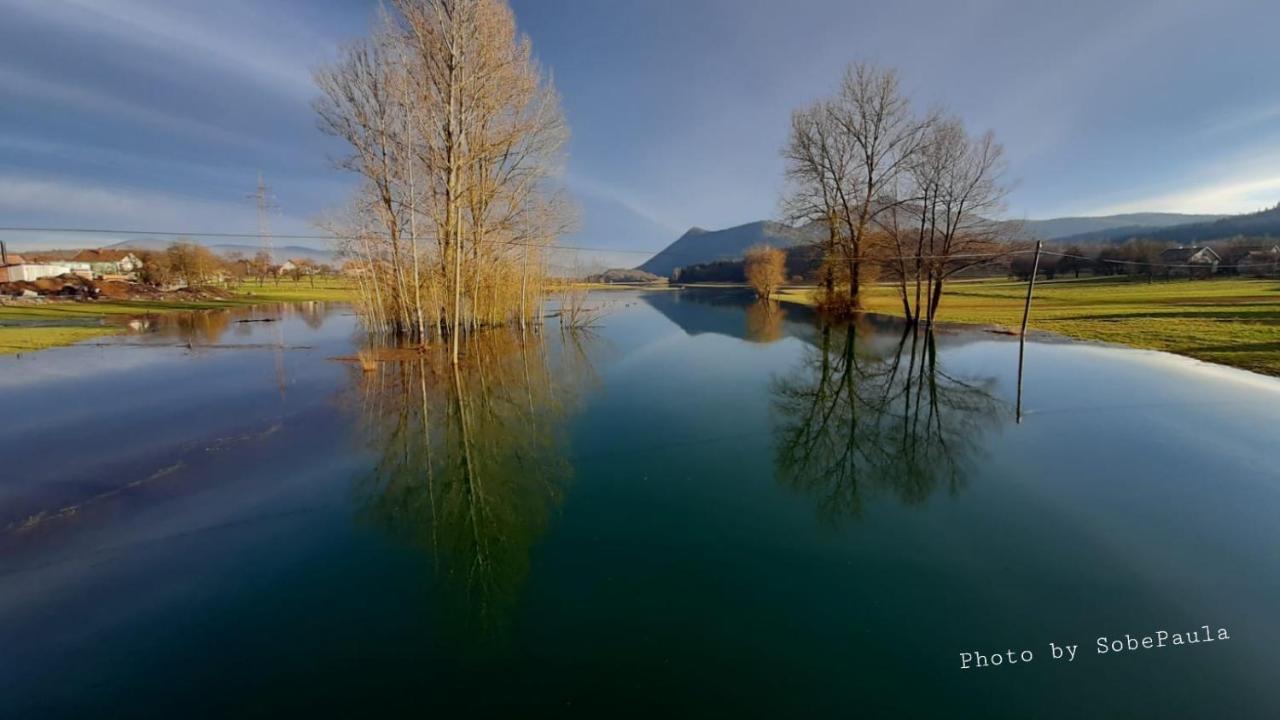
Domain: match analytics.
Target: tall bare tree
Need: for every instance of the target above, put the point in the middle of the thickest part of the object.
(458, 135)
(874, 117)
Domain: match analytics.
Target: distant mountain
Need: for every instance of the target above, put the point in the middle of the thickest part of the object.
(1110, 235)
(1265, 223)
(1105, 225)
(279, 253)
(701, 246)
(1217, 227)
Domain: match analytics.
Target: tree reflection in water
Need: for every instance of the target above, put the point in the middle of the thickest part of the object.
(853, 422)
(764, 321)
(472, 460)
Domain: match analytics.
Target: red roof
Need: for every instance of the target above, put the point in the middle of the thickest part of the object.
(101, 255)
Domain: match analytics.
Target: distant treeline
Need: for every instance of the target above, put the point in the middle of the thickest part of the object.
(1253, 256)
(803, 265)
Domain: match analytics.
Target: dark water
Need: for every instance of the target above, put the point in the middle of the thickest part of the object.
(703, 506)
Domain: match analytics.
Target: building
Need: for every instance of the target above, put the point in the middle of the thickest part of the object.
(104, 262)
(30, 272)
(1260, 263)
(1190, 261)
(1234, 253)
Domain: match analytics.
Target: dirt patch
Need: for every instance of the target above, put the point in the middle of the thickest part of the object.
(74, 286)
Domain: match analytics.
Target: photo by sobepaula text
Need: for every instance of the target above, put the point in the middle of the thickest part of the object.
(1103, 645)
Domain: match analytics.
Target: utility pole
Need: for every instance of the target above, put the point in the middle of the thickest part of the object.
(1026, 313)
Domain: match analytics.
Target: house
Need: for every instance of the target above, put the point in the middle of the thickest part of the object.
(1260, 263)
(29, 272)
(15, 268)
(109, 262)
(1234, 253)
(1190, 261)
(287, 267)
(77, 267)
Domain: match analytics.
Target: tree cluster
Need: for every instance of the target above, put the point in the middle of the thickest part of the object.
(902, 195)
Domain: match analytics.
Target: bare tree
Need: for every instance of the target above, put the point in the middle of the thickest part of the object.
(884, 135)
(458, 136)
(911, 194)
(818, 165)
(954, 191)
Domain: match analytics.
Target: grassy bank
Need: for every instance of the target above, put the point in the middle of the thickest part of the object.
(68, 322)
(1228, 321)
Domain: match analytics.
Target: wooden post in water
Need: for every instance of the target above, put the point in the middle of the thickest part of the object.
(1026, 313)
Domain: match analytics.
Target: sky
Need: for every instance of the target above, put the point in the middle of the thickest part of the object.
(159, 115)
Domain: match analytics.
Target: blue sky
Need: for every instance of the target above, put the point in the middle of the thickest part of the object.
(159, 115)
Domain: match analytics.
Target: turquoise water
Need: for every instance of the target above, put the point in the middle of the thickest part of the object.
(703, 505)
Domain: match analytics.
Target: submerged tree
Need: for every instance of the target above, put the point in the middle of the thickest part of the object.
(853, 422)
(457, 136)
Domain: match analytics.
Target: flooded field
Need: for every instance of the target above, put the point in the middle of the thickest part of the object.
(703, 502)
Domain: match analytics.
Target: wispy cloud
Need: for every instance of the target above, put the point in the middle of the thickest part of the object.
(48, 91)
(579, 183)
(1239, 120)
(1237, 196)
(236, 39)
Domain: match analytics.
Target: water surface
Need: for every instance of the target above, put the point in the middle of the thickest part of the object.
(703, 504)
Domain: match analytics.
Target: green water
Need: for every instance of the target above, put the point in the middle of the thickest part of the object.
(703, 506)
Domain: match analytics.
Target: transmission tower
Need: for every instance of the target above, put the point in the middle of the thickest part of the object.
(266, 203)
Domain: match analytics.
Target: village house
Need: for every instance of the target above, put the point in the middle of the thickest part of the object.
(1260, 263)
(107, 262)
(15, 268)
(1234, 253)
(30, 272)
(1192, 261)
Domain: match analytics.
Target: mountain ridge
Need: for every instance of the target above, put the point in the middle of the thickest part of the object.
(698, 245)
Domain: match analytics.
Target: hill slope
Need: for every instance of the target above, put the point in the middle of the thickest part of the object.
(1258, 224)
(1107, 227)
(701, 246)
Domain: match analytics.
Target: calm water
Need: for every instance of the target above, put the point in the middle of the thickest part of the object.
(704, 505)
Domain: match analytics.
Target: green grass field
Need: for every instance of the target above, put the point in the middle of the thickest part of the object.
(80, 316)
(1228, 321)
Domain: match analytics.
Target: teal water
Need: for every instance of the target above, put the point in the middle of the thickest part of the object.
(701, 506)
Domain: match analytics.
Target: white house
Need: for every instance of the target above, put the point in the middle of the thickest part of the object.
(109, 262)
(29, 272)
